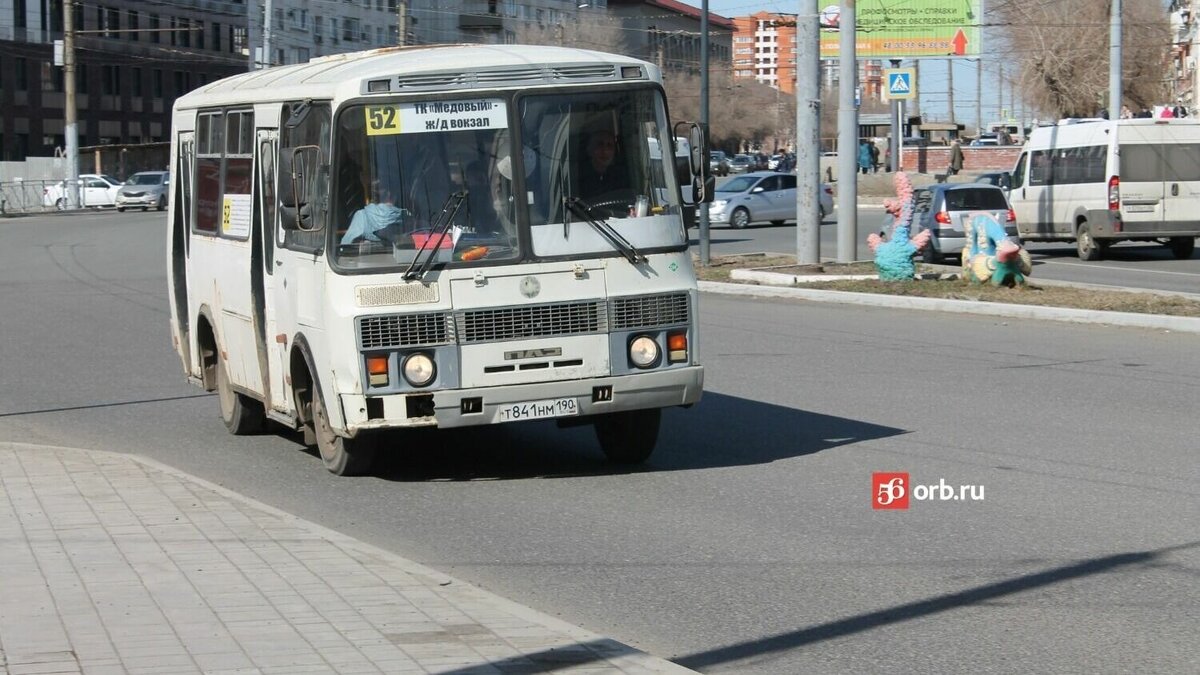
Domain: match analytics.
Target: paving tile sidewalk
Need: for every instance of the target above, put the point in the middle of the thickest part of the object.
(115, 564)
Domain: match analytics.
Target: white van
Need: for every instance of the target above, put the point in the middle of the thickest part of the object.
(1095, 182)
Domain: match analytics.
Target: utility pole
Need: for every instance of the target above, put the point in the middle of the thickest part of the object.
(70, 125)
(267, 61)
(847, 136)
(897, 140)
(1114, 61)
(251, 31)
(703, 208)
(402, 21)
(978, 96)
(808, 130)
(916, 100)
(950, 85)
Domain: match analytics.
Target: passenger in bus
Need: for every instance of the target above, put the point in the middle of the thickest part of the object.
(380, 220)
(601, 173)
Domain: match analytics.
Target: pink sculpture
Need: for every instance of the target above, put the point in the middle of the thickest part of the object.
(893, 256)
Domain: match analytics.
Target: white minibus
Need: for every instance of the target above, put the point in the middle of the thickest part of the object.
(432, 236)
(1096, 182)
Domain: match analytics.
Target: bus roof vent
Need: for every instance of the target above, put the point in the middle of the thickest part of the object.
(589, 72)
(548, 74)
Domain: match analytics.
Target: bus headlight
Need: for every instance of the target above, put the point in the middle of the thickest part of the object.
(643, 351)
(419, 369)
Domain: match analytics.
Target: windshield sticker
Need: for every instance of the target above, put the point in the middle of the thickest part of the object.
(235, 216)
(419, 118)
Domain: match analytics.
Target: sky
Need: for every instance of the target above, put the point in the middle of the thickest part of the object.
(932, 86)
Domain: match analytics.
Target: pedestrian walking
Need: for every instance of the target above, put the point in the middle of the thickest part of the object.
(956, 159)
(864, 156)
(874, 158)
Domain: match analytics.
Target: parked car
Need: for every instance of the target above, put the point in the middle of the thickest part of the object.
(762, 196)
(144, 189)
(944, 209)
(95, 190)
(741, 164)
(992, 138)
(718, 163)
(1001, 179)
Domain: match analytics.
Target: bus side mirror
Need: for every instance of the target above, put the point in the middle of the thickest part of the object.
(702, 181)
(302, 189)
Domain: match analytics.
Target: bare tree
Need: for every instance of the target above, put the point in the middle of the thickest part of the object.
(1061, 53)
(590, 30)
(741, 113)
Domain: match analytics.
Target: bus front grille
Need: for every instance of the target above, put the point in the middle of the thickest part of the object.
(513, 323)
(648, 311)
(404, 330)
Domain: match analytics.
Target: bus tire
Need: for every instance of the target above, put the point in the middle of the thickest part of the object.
(628, 437)
(1086, 245)
(241, 414)
(1182, 247)
(342, 456)
(740, 218)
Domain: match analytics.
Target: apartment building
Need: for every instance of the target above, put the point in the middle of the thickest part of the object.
(1185, 75)
(764, 50)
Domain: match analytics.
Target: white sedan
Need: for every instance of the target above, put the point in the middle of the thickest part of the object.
(95, 190)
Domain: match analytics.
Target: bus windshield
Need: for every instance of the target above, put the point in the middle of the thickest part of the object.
(405, 171)
(604, 150)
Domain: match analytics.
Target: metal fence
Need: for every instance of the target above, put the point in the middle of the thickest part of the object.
(25, 196)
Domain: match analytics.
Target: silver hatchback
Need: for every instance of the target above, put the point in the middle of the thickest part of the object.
(944, 208)
(144, 189)
(761, 196)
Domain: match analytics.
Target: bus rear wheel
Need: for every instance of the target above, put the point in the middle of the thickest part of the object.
(628, 437)
(342, 456)
(241, 414)
(1086, 245)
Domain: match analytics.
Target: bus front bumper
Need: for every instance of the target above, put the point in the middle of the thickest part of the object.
(493, 405)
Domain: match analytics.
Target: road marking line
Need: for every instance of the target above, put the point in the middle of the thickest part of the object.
(1119, 269)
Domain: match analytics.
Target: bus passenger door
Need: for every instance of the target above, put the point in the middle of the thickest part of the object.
(274, 292)
(180, 229)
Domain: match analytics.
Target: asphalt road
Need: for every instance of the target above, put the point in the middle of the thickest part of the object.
(1128, 264)
(748, 543)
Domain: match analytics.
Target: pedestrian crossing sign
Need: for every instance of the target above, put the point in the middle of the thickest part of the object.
(901, 83)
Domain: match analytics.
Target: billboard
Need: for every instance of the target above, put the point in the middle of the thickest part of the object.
(908, 29)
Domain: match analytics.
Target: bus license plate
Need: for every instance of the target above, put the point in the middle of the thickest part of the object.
(1139, 208)
(535, 410)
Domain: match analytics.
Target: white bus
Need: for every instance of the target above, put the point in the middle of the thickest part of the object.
(1096, 182)
(424, 236)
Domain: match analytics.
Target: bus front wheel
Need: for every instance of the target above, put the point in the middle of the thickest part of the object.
(628, 437)
(242, 415)
(342, 456)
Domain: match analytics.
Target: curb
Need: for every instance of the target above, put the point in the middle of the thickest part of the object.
(1182, 324)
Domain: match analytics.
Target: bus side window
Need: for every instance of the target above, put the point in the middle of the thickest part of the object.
(1018, 173)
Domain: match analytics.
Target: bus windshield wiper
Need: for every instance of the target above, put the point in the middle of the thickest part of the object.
(583, 209)
(437, 234)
